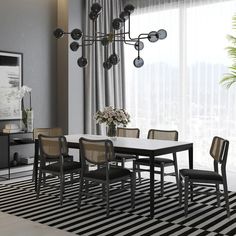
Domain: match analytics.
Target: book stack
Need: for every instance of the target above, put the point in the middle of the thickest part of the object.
(11, 128)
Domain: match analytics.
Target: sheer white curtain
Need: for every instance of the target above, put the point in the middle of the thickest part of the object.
(178, 86)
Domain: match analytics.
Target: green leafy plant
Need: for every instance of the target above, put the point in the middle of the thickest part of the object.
(230, 78)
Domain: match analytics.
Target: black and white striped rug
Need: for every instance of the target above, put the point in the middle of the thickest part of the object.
(204, 217)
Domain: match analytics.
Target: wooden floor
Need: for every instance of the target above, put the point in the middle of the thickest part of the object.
(15, 226)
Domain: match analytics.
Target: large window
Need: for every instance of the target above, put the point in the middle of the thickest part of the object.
(178, 86)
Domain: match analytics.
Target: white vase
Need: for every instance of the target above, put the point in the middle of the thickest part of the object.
(30, 121)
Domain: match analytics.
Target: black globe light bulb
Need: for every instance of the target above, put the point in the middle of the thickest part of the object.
(82, 62)
(58, 33)
(138, 62)
(107, 65)
(114, 59)
(96, 8)
(105, 41)
(124, 16)
(162, 34)
(74, 46)
(129, 8)
(117, 23)
(153, 36)
(76, 34)
(93, 15)
(139, 45)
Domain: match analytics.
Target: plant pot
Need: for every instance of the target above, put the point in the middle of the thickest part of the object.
(111, 130)
(30, 120)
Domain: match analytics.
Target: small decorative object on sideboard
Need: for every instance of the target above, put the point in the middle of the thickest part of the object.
(27, 160)
(112, 117)
(15, 161)
(11, 128)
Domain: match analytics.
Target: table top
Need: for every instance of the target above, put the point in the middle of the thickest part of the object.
(139, 146)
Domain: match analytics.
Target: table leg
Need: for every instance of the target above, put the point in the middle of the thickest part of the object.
(152, 186)
(190, 157)
(36, 157)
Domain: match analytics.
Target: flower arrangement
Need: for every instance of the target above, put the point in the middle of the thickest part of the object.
(112, 116)
(22, 92)
(20, 95)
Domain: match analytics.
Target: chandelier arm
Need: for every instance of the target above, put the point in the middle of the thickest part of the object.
(130, 30)
(138, 48)
(83, 47)
(113, 43)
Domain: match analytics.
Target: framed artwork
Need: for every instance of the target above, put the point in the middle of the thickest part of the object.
(11, 72)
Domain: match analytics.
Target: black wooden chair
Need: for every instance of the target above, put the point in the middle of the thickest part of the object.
(194, 177)
(57, 131)
(101, 153)
(56, 149)
(160, 162)
(127, 133)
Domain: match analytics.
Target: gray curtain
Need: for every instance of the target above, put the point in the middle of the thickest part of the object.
(102, 87)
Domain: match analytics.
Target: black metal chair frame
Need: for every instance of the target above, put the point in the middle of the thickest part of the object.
(109, 159)
(75, 167)
(189, 183)
(160, 164)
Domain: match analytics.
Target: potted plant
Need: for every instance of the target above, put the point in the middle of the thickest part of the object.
(230, 78)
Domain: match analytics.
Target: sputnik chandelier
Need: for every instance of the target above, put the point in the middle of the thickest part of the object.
(110, 39)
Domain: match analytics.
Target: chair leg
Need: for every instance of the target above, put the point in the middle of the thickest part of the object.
(218, 195)
(133, 185)
(191, 191)
(80, 191)
(108, 198)
(33, 173)
(71, 178)
(62, 180)
(180, 190)
(226, 196)
(186, 185)
(162, 179)
(39, 183)
(176, 170)
(122, 162)
(86, 188)
(139, 175)
(44, 178)
(123, 166)
(103, 189)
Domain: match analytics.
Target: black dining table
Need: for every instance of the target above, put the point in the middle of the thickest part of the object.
(135, 146)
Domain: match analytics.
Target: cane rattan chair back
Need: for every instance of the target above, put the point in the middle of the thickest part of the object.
(98, 152)
(56, 131)
(128, 132)
(52, 147)
(163, 134)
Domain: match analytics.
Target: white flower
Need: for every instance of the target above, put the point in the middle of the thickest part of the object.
(23, 91)
(112, 115)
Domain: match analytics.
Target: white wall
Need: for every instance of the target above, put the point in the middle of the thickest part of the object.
(26, 26)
